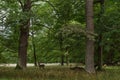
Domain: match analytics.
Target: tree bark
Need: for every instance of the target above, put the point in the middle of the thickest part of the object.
(89, 59)
(24, 34)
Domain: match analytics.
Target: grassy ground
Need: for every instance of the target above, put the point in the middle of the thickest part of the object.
(57, 73)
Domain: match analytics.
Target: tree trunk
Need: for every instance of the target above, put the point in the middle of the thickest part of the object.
(61, 49)
(23, 43)
(34, 50)
(24, 34)
(62, 60)
(99, 50)
(89, 59)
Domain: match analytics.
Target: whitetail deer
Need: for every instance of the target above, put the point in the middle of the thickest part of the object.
(41, 65)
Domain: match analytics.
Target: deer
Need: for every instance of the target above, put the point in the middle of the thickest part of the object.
(41, 65)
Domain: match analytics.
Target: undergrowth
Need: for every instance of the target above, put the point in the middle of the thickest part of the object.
(57, 73)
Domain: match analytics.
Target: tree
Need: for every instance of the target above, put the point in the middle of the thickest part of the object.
(63, 15)
(24, 33)
(89, 59)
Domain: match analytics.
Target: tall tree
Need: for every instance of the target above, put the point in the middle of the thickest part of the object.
(89, 59)
(24, 33)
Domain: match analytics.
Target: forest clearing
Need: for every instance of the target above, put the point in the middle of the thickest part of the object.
(59, 39)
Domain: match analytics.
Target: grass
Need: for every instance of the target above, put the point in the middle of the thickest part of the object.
(57, 73)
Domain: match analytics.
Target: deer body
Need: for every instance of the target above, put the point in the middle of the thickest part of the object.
(41, 65)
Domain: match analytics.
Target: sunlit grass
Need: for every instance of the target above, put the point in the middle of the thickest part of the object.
(57, 73)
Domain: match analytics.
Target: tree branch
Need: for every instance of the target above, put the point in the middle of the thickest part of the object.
(21, 3)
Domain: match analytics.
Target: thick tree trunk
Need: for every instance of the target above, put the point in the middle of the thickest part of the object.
(24, 34)
(89, 59)
(23, 43)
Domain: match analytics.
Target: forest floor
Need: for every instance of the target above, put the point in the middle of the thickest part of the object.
(58, 73)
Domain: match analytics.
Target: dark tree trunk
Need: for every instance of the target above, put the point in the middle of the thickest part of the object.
(99, 50)
(89, 59)
(23, 43)
(62, 60)
(34, 50)
(24, 34)
(61, 49)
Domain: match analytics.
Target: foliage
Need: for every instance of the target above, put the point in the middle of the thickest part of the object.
(49, 18)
